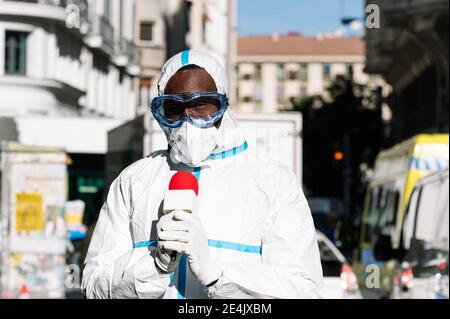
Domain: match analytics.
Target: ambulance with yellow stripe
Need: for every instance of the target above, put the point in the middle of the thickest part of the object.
(395, 174)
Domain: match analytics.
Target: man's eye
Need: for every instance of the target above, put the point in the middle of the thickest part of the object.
(173, 109)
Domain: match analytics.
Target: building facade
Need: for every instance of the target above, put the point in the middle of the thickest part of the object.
(410, 50)
(67, 73)
(67, 58)
(274, 70)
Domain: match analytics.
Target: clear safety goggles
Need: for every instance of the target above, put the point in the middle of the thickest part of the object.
(201, 109)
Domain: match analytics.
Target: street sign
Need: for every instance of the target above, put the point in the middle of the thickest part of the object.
(29, 214)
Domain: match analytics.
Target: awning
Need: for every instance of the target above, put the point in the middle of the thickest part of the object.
(74, 134)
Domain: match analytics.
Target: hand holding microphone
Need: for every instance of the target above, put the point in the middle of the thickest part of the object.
(181, 196)
(163, 258)
(181, 231)
(186, 235)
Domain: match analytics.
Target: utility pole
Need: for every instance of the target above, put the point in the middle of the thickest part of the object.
(347, 176)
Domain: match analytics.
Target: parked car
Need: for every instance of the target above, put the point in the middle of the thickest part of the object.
(339, 281)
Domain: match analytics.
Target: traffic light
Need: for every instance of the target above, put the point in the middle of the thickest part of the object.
(338, 156)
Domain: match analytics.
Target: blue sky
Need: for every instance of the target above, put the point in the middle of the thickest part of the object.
(305, 16)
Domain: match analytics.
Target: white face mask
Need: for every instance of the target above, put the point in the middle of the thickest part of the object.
(192, 145)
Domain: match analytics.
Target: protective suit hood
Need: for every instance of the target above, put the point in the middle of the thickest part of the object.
(229, 135)
(198, 58)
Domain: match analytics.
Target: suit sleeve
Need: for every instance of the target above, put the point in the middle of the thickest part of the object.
(290, 266)
(113, 268)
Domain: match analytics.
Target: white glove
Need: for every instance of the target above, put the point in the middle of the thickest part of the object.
(163, 258)
(186, 235)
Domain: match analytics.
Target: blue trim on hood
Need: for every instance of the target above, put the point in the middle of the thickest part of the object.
(185, 57)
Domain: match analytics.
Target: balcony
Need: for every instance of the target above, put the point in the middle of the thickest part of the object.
(123, 52)
(101, 34)
(127, 55)
(134, 65)
(56, 10)
(31, 95)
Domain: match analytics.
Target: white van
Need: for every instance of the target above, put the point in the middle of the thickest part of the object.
(423, 272)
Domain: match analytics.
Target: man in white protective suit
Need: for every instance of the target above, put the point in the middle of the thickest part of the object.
(252, 236)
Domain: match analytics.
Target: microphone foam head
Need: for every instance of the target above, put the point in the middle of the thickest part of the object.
(183, 180)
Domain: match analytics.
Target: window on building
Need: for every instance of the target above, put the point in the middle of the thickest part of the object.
(258, 93)
(187, 17)
(303, 91)
(247, 99)
(15, 52)
(304, 72)
(144, 91)
(107, 10)
(121, 18)
(257, 71)
(280, 72)
(280, 94)
(293, 75)
(146, 31)
(327, 71)
(246, 76)
(350, 70)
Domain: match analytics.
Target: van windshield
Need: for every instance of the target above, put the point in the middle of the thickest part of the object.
(382, 213)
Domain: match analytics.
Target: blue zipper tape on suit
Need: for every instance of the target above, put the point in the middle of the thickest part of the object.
(212, 243)
(182, 277)
(183, 262)
(235, 246)
(197, 171)
(229, 153)
(184, 57)
(142, 244)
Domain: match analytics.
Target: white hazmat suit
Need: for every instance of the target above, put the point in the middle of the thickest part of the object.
(258, 224)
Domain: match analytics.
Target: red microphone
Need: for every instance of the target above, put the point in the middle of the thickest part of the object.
(183, 180)
(181, 195)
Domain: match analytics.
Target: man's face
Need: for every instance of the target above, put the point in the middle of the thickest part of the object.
(191, 80)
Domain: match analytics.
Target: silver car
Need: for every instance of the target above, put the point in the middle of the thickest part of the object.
(339, 281)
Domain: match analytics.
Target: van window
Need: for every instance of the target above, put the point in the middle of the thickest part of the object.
(383, 209)
(374, 204)
(433, 215)
(426, 235)
(426, 223)
(410, 217)
(392, 206)
(442, 233)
